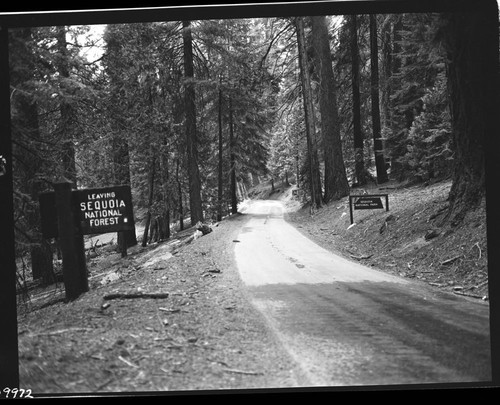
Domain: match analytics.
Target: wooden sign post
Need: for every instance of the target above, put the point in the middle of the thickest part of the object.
(69, 214)
(71, 243)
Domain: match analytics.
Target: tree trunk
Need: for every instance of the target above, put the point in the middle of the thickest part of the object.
(232, 158)
(397, 136)
(165, 174)
(378, 146)
(41, 261)
(220, 177)
(297, 164)
(25, 128)
(154, 231)
(119, 144)
(386, 69)
(121, 163)
(166, 225)
(471, 41)
(179, 192)
(314, 173)
(67, 123)
(359, 168)
(335, 182)
(150, 201)
(191, 135)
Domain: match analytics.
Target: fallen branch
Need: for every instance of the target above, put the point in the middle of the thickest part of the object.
(114, 296)
(450, 260)
(437, 284)
(127, 362)
(169, 310)
(52, 302)
(481, 284)
(232, 370)
(216, 270)
(60, 331)
(482, 297)
(361, 257)
(100, 387)
(479, 247)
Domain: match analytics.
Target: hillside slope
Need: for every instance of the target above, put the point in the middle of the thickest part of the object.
(406, 240)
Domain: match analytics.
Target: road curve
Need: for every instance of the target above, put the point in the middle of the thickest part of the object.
(350, 325)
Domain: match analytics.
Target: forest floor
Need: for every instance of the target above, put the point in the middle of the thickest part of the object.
(174, 316)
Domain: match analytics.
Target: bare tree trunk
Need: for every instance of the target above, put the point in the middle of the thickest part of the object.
(150, 201)
(386, 69)
(336, 184)
(471, 41)
(121, 161)
(165, 180)
(120, 146)
(359, 168)
(232, 171)
(220, 177)
(179, 192)
(191, 135)
(25, 126)
(377, 137)
(398, 134)
(67, 122)
(314, 173)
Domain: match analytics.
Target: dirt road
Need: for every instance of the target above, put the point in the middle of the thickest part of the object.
(347, 324)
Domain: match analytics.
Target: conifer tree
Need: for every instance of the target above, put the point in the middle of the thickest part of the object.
(335, 179)
(195, 203)
(376, 126)
(309, 118)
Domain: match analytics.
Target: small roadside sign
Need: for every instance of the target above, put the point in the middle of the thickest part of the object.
(97, 211)
(105, 210)
(69, 214)
(367, 202)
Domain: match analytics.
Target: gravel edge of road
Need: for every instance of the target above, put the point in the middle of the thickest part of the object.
(270, 366)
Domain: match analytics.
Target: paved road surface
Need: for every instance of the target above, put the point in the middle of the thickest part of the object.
(347, 324)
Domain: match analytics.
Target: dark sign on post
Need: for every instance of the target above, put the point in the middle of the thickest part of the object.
(367, 202)
(69, 214)
(105, 210)
(100, 210)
